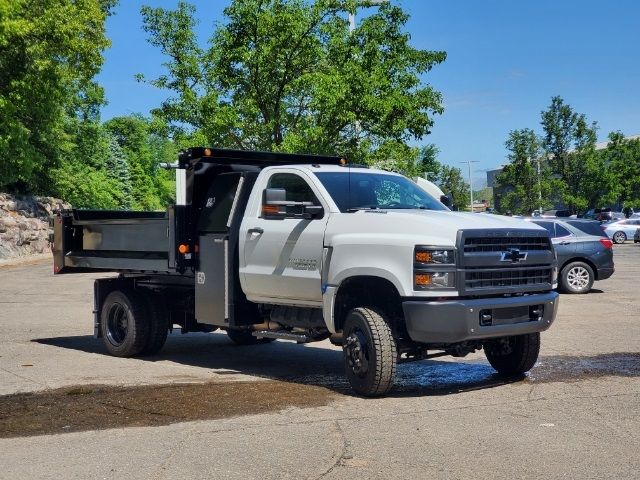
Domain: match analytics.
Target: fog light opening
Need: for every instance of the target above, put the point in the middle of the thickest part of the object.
(486, 318)
(536, 312)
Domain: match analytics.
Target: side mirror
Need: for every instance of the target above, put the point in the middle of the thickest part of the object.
(445, 200)
(275, 196)
(276, 206)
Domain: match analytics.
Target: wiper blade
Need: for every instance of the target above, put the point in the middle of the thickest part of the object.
(363, 207)
(404, 206)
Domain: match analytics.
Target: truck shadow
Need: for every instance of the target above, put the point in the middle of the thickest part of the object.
(321, 365)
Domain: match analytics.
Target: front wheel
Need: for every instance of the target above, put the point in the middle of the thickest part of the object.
(576, 277)
(370, 353)
(513, 355)
(619, 237)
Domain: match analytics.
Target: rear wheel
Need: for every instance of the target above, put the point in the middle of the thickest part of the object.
(576, 277)
(370, 353)
(513, 355)
(159, 325)
(124, 323)
(245, 337)
(619, 237)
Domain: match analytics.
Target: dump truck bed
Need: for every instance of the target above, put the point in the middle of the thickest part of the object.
(98, 240)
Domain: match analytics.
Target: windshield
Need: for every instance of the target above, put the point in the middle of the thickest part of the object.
(366, 190)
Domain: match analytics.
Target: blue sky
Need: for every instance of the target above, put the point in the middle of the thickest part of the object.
(506, 59)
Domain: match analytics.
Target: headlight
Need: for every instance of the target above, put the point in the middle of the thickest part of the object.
(434, 256)
(434, 268)
(434, 280)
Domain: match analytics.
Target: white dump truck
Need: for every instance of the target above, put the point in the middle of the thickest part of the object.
(306, 248)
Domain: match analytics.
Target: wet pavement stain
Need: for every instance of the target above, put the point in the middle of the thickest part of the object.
(565, 368)
(84, 408)
(435, 378)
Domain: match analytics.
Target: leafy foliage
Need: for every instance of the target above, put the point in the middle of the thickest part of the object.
(622, 159)
(453, 184)
(49, 52)
(526, 189)
(286, 75)
(569, 141)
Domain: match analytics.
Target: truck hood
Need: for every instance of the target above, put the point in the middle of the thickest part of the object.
(415, 226)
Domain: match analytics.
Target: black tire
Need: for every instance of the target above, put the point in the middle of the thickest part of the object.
(124, 323)
(576, 277)
(370, 353)
(159, 324)
(513, 355)
(245, 337)
(619, 237)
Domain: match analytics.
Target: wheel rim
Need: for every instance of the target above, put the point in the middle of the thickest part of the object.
(578, 278)
(117, 324)
(619, 237)
(356, 350)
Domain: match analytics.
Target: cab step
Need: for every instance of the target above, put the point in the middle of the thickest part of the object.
(282, 335)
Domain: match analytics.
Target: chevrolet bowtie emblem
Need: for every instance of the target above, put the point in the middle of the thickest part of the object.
(513, 255)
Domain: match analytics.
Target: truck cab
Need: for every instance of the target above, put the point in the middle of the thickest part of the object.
(308, 248)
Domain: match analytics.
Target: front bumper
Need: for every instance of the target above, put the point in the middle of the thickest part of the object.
(452, 321)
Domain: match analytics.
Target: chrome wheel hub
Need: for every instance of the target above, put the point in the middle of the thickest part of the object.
(578, 278)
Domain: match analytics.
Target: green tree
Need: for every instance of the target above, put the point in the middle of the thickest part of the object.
(526, 190)
(569, 141)
(132, 134)
(429, 163)
(117, 169)
(453, 184)
(50, 51)
(622, 160)
(286, 75)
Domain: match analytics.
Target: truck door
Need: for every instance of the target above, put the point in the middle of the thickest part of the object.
(214, 276)
(282, 257)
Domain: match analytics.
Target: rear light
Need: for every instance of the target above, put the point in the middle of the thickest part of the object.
(606, 243)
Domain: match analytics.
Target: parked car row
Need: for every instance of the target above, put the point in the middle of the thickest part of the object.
(621, 230)
(584, 252)
(603, 215)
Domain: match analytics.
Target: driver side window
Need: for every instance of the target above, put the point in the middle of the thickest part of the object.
(298, 190)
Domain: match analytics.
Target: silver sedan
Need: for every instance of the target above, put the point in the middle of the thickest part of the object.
(619, 231)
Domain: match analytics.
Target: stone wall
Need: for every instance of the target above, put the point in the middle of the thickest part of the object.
(24, 224)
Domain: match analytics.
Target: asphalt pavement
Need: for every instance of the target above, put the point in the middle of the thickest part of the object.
(576, 415)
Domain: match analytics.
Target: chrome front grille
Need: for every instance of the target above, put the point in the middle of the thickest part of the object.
(500, 244)
(506, 277)
(504, 261)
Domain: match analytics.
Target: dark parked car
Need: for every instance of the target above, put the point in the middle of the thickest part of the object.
(636, 236)
(603, 215)
(584, 252)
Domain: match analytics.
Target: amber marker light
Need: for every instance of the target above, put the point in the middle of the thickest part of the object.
(207, 152)
(424, 257)
(423, 279)
(182, 248)
(270, 209)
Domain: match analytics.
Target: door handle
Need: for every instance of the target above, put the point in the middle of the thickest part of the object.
(257, 230)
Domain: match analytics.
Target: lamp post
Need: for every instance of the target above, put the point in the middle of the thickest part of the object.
(352, 15)
(469, 162)
(539, 188)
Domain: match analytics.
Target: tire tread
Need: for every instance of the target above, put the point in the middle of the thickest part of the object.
(385, 345)
(521, 359)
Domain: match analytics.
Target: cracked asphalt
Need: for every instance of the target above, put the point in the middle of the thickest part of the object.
(576, 415)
